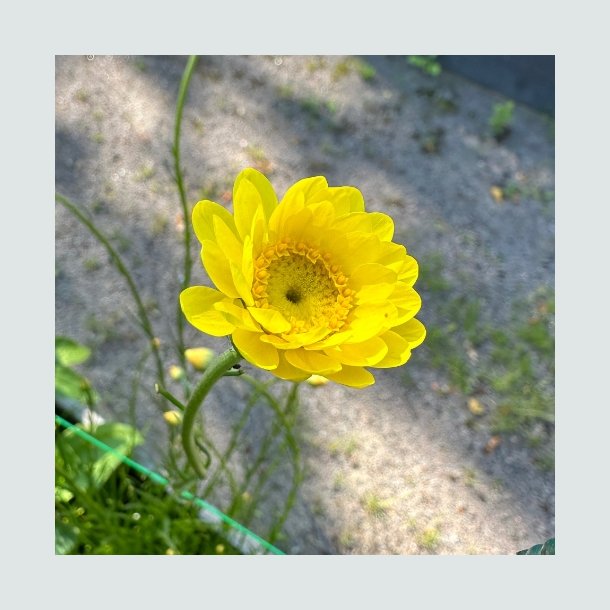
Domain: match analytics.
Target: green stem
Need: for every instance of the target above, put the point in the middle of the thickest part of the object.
(188, 263)
(122, 269)
(216, 369)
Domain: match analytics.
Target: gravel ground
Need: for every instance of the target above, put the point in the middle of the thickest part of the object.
(403, 467)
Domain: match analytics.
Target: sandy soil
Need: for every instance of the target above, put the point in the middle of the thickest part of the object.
(403, 467)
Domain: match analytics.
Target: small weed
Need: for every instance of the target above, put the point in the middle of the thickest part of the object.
(104, 330)
(341, 69)
(375, 506)
(312, 106)
(430, 141)
(144, 173)
(285, 92)
(515, 191)
(98, 138)
(140, 64)
(259, 159)
(446, 102)
(347, 539)
(160, 223)
(429, 538)
(92, 264)
(339, 481)
(431, 276)
(501, 119)
(470, 477)
(197, 125)
(545, 462)
(345, 446)
(316, 63)
(426, 63)
(364, 69)
(82, 95)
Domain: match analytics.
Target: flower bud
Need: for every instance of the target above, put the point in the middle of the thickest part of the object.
(176, 372)
(173, 418)
(317, 380)
(199, 357)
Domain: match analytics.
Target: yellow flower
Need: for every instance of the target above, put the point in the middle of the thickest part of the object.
(312, 285)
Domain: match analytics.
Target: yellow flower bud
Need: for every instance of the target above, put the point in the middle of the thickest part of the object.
(175, 372)
(220, 548)
(173, 418)
(199, 357)
(316, 380)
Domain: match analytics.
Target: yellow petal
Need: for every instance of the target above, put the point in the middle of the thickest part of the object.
(331, 340)
(406, 300)
(250, 346)
(308, 187)
(198, 305)
(270, 319)
(345, 199)
(265, 191)
(372, 282)
(243, 287)
(230, 244)
(399, 350)
(286, 209)
(382, 226)
(412, 331)
(366, 353)
(360, 249)
(409, 271)
(298, 226)
(353, 376)
(285, 370)
(218, 268)
(367, 222)
(370, 320)
(246, 202)
(236, 314)
(312, 362)
(323, 214)
(203, 216)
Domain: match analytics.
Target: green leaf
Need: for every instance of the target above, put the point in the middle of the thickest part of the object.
(70, 353)
(548, 548)
(70, 384)
(91, 466)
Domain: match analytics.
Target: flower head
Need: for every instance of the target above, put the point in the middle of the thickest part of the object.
(312, 285)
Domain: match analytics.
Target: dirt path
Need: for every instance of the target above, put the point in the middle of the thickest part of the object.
(440, 456)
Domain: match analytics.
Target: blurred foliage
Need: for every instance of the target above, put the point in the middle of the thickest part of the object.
(501, 119)
(426, 63)
(548, 548)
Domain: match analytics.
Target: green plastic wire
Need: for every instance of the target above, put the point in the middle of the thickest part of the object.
(157, 478)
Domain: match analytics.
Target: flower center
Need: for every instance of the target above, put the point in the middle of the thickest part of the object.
(303, 284)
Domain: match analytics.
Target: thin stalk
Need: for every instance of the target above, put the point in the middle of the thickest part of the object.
(237, 428)
(179, 178)
(122, 269)
(286, 418)
(216, 369)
